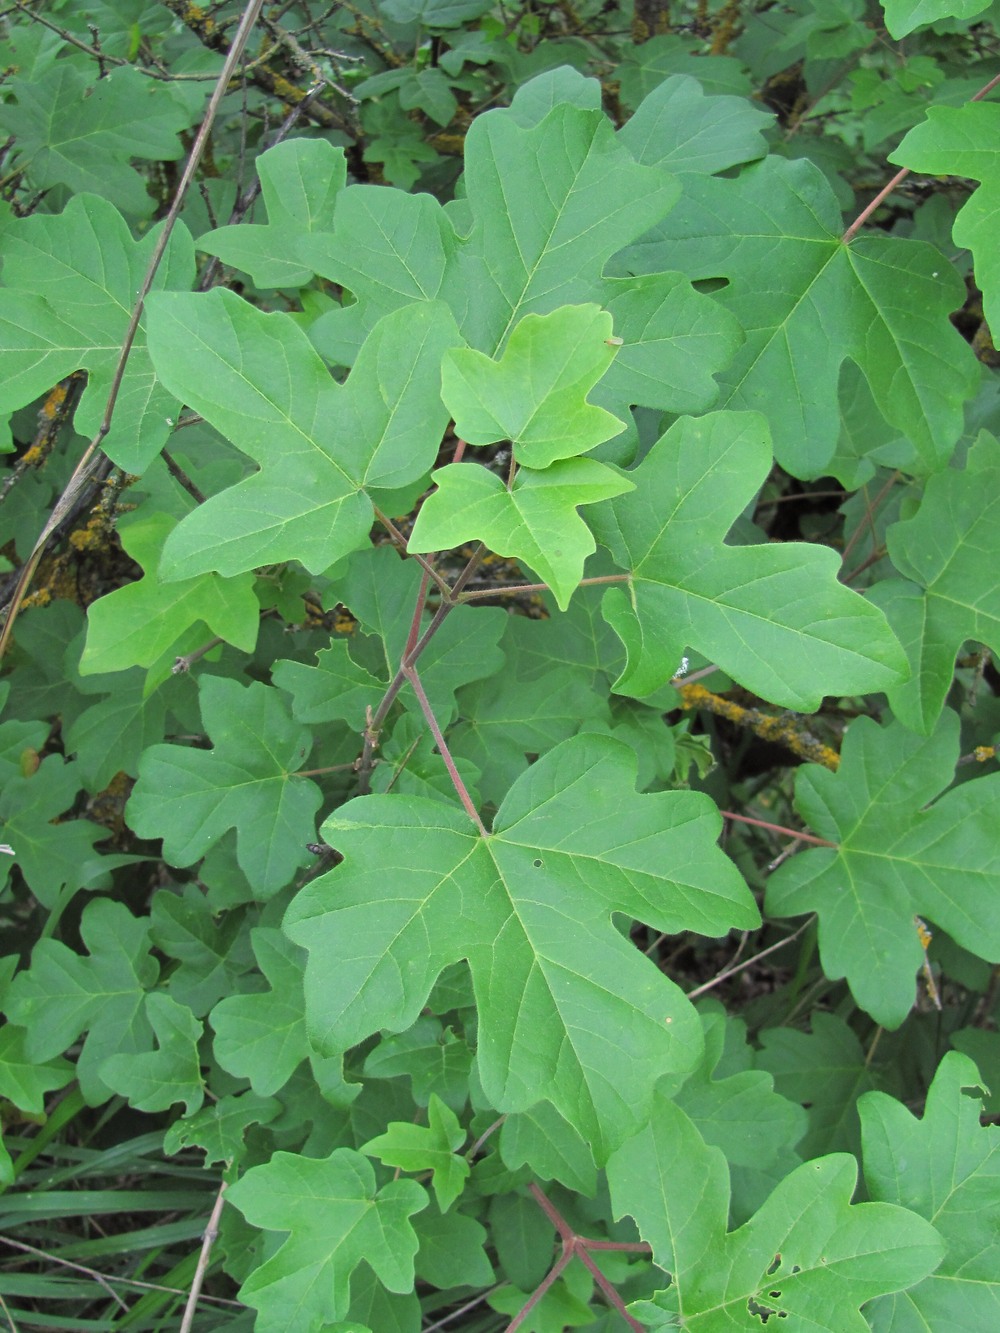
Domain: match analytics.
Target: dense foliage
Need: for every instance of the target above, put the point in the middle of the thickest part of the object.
(500, 794)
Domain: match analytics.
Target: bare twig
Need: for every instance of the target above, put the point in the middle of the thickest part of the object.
(749, 962)
(211, 1232)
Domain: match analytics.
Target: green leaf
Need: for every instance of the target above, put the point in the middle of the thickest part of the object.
(534, 520)
(535, 395)
(571, 844)
(436, 1061)
(137, 624)
(962, 141)
(825, 1070)
(435, 13)
(300, 180)
(190, 797)
(335, 689)
(80, 128)
(452, 1252)
(262, 1037)
(69, 285)
(542, 1139)
(897, 856)
(24, 1081)
(773, 617)
(950, 549)
(155, 1080)
(209, 952)
(219, 1129)
(741, 1113)
(807, 1255)
(63, 995)
(880, 301)
(946, 1168)
(336, 1218)
(110, 736)
(674, 342)
(504, 720)
(564, 1305)
(902, 16)
(51, 855)
(432, 1147)
(676, 126)
(319, 445)
(550, 205)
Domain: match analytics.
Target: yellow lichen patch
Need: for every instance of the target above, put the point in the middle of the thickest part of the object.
(784, 728)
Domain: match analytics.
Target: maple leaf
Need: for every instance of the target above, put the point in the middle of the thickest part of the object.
(946, 1167)
(948, 554)
(190, 797)
(774, 617)
(262, 1036)
(550, 204)
(82, 131)
(299, 180)
(535, 519)
(897, 856)
(320, 446)
(535, 394)
(807, 1255)
(529, 907)
(137, 624)
(432, 1147)
(335, 1217)
(806, 302)
(155, 1080)
(63, 994)
(70, 282)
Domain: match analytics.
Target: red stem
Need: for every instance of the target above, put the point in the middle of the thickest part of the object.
(778, 828)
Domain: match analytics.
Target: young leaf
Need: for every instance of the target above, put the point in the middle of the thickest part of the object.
(136, 624)
(432, 1147)
(154, 1080)
(951, 550)
(898, 856)
(535, 520)
(63, 994)
(190, 797)
(807, 1255)
(884, 302)
(300, 180)
(319, 445)
(946, 1168)
(535, 395)
(774, 617)
(572, 843)
(336, 1218)
(70, 282)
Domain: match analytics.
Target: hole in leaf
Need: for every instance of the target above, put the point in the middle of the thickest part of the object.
(537, 863)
